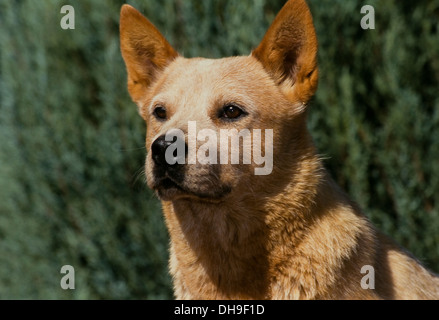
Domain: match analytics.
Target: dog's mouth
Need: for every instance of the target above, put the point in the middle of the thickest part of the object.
(167, 183)
(169, 190)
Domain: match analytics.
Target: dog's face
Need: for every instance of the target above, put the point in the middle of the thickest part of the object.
(217, 95)
(195, 109)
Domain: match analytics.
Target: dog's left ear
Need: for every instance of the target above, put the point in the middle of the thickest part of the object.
(288, 52)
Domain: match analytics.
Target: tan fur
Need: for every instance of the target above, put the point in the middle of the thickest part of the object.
(290, 235)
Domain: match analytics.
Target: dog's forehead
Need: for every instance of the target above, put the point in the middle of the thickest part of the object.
(199, 74)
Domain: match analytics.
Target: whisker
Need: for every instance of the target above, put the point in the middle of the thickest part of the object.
(139, 174)
(129, 149)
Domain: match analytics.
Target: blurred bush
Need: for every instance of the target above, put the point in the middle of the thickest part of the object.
(72, 189)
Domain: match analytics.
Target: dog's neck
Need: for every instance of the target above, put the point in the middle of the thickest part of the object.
(225, 239)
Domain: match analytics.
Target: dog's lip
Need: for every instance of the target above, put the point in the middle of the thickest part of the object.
(168, 189)
(168, 183)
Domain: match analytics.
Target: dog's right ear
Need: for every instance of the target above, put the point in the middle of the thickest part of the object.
(145, 51)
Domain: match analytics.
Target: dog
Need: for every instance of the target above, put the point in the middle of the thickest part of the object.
(291, 233)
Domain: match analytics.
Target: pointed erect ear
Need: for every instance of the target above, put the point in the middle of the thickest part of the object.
(288, 52)
(145, 51)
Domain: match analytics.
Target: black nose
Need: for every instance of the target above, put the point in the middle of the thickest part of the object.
(175, 156)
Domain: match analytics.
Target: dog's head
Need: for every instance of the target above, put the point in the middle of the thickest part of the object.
(217, 127)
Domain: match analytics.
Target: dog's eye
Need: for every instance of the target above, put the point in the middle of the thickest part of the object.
(232, 112)
(160, 113)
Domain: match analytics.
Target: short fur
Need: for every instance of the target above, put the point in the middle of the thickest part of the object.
(289, 235)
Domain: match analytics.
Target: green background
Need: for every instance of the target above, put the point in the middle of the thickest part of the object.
(72, 189)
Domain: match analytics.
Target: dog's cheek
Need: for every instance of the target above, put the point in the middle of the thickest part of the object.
(150, 179)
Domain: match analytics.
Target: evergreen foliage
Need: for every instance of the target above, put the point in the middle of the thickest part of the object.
(72, 188)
